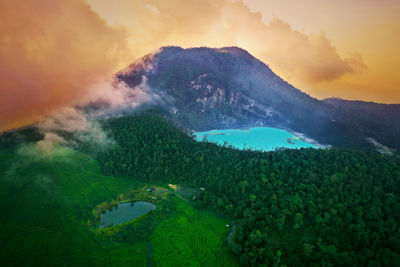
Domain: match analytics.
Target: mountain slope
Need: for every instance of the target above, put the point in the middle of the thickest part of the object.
(378, 121)
(206, 88)
(313, 207)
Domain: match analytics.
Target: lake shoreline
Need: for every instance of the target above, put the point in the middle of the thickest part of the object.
(302, 137)
(257, 141)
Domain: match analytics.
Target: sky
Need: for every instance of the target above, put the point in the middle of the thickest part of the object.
(58, 53)
(370, 28)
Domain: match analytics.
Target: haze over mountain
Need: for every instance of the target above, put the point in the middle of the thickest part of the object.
(206, 88)
(199, 133)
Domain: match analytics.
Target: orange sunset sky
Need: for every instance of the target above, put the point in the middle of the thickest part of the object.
(57, 53)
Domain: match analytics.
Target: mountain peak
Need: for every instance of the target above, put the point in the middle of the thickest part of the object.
(170, 48)
(226, 88)
(220, 87)
(235, 51)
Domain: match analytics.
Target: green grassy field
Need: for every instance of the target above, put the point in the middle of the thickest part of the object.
(48, 204)
(191, 237)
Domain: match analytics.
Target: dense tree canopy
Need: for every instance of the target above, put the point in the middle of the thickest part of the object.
(292, 207)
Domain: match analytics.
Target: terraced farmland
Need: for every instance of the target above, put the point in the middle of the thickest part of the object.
(191, 237)
(47, 206)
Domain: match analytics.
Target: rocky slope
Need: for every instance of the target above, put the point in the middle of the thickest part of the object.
(207, 88)
(377, 121)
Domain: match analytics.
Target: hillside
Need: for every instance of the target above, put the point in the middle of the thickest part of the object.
(379, 121)
(51, 200)
(293, 207)
(206, 88)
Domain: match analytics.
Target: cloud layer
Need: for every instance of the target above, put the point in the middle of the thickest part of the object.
(51, 52)
(72, 121)
(310, 58)
(57, 53)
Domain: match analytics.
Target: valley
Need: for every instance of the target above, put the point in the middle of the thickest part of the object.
(289, 206)
(50, 206)
(293, 206)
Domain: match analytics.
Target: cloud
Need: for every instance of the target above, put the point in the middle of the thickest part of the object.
(49, 141)
(310, 58)
(51, 52)
(82, 123)
(59, 53)
(114, 95)
(76, 123)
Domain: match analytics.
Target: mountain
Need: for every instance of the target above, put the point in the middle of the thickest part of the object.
(209, 88)
(308, 207)
(378, 121)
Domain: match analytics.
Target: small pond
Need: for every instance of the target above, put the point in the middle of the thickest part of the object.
(125, 212)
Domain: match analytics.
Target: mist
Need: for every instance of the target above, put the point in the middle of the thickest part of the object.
(57, 54)
(52, 53)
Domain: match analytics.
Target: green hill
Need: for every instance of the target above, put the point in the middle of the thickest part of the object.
(48, 206)
(291, 207)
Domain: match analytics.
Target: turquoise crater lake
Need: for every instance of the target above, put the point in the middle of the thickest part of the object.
(125, 212)
(259, 138)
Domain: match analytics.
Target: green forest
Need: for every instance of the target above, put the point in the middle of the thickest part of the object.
(50, 202)
(313, 207)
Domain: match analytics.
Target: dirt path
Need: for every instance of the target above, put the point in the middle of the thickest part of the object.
(149, 253)
(231, 233)
(83, 166)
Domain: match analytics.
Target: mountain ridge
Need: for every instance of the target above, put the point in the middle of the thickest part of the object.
(209, 88)
(205, 88)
